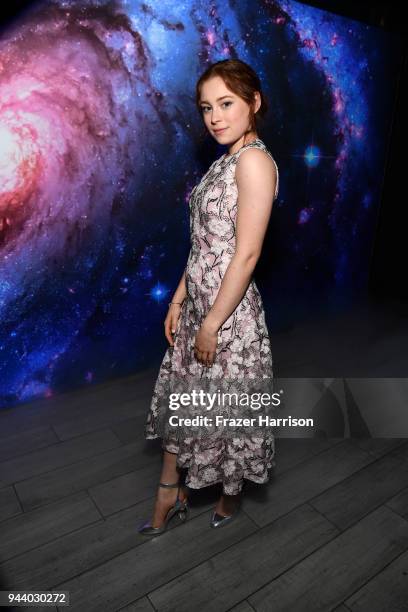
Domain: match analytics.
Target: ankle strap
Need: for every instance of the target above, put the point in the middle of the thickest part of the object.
(166, 484)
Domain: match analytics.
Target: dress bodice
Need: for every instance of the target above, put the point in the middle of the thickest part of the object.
(213, 204)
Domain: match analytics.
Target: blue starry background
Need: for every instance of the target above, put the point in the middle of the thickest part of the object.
(101, 146)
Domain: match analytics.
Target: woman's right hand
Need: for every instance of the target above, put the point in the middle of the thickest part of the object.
(170, 322)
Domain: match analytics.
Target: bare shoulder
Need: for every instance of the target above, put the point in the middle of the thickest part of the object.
(255, 162)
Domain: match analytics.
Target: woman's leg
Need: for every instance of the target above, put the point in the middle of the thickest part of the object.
(166, 496)
(227, 504)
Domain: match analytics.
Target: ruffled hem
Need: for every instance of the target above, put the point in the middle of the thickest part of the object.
(227, 489)
(230, 487)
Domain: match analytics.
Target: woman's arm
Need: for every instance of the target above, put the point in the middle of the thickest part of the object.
(170, 322)
(181, 291)
(255, 175)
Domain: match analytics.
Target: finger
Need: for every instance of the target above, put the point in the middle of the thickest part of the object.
(208, 359)
(199, 356)
(167, 334)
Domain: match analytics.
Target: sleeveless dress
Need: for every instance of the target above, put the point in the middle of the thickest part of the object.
(243, 346)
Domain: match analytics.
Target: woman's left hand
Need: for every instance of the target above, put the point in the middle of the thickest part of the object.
(205, 345)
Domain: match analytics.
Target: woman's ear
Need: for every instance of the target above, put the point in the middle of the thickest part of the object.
(257, 105)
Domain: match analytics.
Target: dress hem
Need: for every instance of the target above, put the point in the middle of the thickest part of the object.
(214, 482)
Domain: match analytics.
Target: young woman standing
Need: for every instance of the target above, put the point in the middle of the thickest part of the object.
(216, 318)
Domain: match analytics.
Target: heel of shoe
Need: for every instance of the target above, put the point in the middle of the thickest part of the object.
(184, 513)
(180, 508)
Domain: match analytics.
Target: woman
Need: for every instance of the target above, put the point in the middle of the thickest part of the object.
(216, 314)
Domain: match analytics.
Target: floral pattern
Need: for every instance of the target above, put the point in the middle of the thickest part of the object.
(243, 346)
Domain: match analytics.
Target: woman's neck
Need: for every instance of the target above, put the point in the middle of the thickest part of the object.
(237, 145)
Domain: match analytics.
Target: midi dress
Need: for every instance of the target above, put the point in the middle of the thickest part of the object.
(243, 343)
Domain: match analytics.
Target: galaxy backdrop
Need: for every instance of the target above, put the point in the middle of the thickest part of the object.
(101, 145)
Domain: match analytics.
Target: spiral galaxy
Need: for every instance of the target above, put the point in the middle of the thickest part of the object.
(69, 165)
(97, 133)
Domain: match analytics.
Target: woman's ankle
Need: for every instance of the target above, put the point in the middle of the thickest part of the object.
(227, 504)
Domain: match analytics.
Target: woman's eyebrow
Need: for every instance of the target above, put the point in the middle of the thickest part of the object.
(222, 97)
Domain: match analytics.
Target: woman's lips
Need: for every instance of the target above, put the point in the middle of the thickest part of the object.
(220, 131)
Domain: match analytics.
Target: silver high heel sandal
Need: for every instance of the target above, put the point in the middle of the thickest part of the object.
(180, 507)
(218, 520)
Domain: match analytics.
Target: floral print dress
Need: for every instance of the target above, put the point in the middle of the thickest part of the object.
(243, 347)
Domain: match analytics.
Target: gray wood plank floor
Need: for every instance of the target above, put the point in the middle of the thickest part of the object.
(328, 532)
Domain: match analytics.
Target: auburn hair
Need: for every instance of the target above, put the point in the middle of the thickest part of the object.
(242, 80)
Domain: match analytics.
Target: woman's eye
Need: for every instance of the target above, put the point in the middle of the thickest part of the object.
(206, 108)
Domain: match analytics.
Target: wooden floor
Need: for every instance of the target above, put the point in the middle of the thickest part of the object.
(329, 531)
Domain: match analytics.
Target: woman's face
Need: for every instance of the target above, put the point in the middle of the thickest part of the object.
(221, 108)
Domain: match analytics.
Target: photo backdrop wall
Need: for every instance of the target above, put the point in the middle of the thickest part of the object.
(101, 144)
